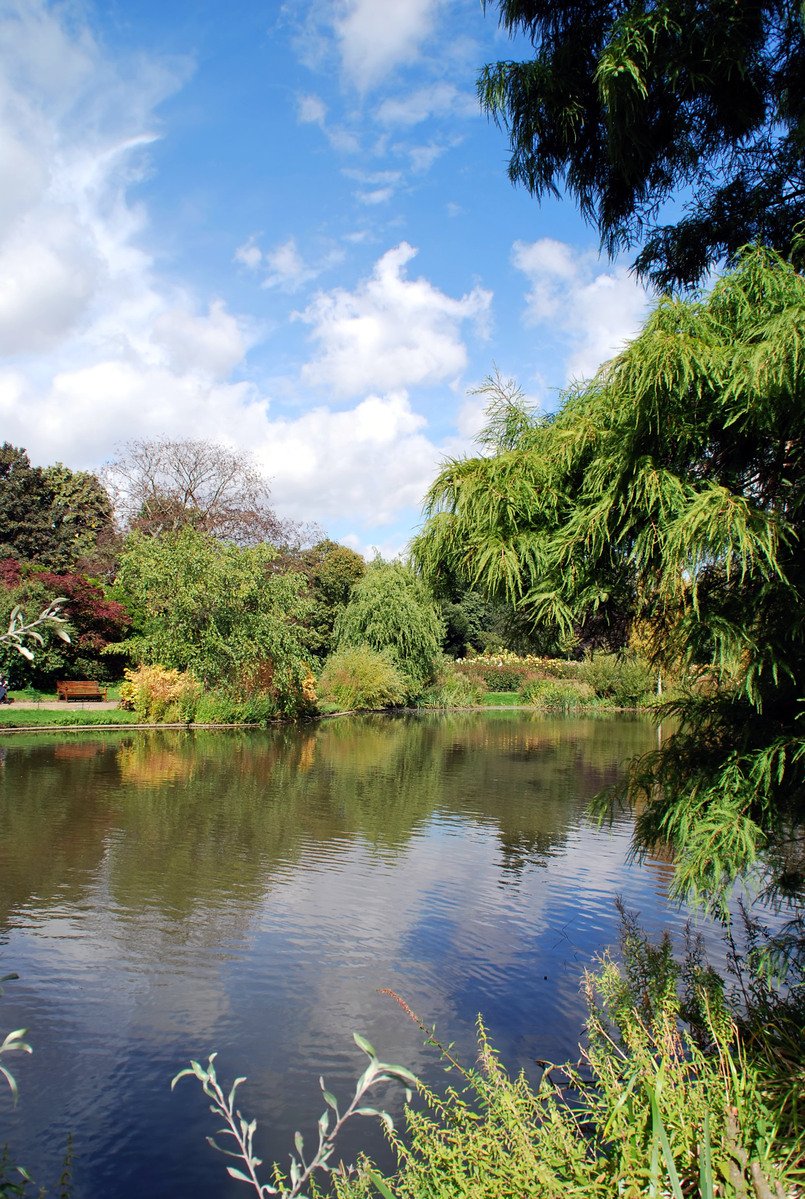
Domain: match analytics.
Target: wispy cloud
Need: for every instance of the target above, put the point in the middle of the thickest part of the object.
(282, 265)
(425, 103)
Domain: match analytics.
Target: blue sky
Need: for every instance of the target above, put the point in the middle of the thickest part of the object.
(286, 227)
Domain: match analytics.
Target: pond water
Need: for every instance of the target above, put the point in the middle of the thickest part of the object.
(164, 895)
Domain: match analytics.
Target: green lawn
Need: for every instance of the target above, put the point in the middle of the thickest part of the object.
(11, 717)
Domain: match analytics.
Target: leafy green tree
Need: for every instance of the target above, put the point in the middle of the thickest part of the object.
(26, 525)
(53, 516)
(391, 610)
(676, 477)
(217, 609)
(83, 523)
(331, 570)
(628, 106)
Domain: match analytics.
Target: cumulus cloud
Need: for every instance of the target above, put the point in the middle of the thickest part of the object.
(391, 332)
(375, 37)
(372, 460)
(100, 348)
(594, 310)
(209, 345)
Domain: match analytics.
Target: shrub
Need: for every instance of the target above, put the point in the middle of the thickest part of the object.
(94, 622)
(666, 1101)
(506, 671)
(452, 689)
(358, 676)
(558, 695)
(222, 707)
(159, 695)
(623, 679)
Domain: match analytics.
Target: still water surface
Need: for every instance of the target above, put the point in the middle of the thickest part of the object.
(163, 895)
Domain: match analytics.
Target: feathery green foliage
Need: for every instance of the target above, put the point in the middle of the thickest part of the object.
(671, 489)
(218, 610)
(627, 106)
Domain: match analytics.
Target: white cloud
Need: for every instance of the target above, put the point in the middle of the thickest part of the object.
(376, 36)
(284, 266)
(249, 254)
(376, 195)
(390, 332)
(371, 460)
(311, 110)
(101, 349)
(593, 310)
(209, 345)
(380, 185)
(439, 99)
(423, 157)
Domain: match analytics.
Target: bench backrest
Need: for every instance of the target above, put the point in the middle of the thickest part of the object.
(77, 688)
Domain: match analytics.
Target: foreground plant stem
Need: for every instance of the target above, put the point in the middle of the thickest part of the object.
(242, 1131)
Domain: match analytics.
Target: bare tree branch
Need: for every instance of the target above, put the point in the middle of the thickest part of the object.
(160, 485)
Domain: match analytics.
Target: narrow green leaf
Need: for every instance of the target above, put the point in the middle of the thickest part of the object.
(379, 1184)
(363, 1044)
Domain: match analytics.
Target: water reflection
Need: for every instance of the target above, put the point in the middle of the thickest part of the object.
(164, 894)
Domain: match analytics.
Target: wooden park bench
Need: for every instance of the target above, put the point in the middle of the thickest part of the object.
(80, 690)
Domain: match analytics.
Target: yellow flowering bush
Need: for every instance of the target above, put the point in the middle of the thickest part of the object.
(158, 694)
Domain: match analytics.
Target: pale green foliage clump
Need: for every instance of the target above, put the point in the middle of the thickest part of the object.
(218, 610)
(21, 630)
(664, 1101)
(670, 490)
(623, 679)
(391, 610)
(558, 695)
(13, 1042)
(359, 676)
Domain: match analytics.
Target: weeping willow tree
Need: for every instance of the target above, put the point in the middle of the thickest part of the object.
(673, 485)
